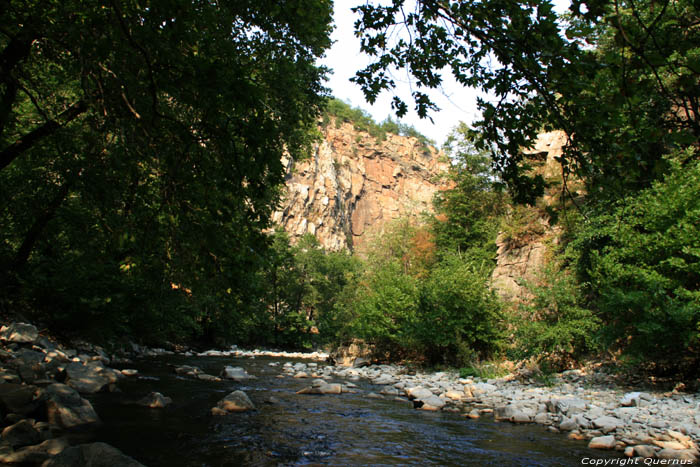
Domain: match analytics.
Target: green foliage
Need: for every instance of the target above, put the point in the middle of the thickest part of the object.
(620, 78)
(554, 326)
(409, 304)
(362, 121)
(140, 152)
(643, 262)
(458, 311)
(484, 370)
(467, 215)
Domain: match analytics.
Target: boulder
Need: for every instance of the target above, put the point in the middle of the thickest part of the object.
(235, 373)
(602, 442)
(631, 399)
(347, 354)
(568, 424)
(86, 379)
(22, 333)
(18, 398)
(21, 434)
(567, 406)
(607, 424)
(66, 408)
(35, 454)
(92, 455)
(129, 372)
(237, 401)
(521, 417)
(432, 403)
(418, 393)
(155, 400)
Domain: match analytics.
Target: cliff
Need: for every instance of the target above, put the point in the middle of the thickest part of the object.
(523, 244)
(352, 185)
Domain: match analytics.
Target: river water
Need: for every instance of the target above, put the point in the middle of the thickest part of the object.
(346, 429)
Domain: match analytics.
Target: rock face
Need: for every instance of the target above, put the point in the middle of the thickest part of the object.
(353, 185)
(522, 259)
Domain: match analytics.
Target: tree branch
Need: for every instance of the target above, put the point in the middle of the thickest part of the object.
(27, 141)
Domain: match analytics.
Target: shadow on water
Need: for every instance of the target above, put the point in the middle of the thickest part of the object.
(347, 429)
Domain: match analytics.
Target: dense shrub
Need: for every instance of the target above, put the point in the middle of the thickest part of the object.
(642, 259)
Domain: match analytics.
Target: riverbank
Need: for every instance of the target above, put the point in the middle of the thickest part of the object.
(583, 406)
(47, 416)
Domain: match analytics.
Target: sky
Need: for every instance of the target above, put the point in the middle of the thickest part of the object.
(456, 103)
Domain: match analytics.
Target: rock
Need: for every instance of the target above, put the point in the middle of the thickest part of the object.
(389, 391)
(360, 362)
(22, 333)
(474, 414)
(322, 388)
(432, 403)
(602, 442)
(454, 395)
(66, 408)
(629, 451)
(130, 372)
(301, 374)
(631, 399)
(607, 424)
(644, 450)
(676, 454)
(504, 412)
(206, 377)
(155, 400)
(35, 454)
(521, 417)
(92, 455)
(17, 398)
(542, 418)
(21, 434)
(188, 370)
(680, 437)
(568, 424)
(673, 445)
(418, 393)
(355, 351)
(237, 401)
(86, 379)
(482, 388)
(235, 373)
(384, 380)
(567, 406)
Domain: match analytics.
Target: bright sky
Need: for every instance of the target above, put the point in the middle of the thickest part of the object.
(456, 102)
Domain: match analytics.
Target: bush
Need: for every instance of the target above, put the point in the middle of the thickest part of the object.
(643, 262)
(554, 327)
(459, 312)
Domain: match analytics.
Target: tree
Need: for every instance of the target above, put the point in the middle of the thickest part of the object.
(467, 214)
(620, 78)
(140, 149)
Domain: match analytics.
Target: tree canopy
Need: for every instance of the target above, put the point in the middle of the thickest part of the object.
(619, 77)
(141, 147)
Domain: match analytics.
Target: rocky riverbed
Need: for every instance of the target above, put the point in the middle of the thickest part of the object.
(45, 392)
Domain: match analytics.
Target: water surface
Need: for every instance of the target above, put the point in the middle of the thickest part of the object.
(346, 429)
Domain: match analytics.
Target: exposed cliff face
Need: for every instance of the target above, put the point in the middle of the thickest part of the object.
(523, 259)
(353, 185)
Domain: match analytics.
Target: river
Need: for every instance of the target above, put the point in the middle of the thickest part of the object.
(291, 429)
